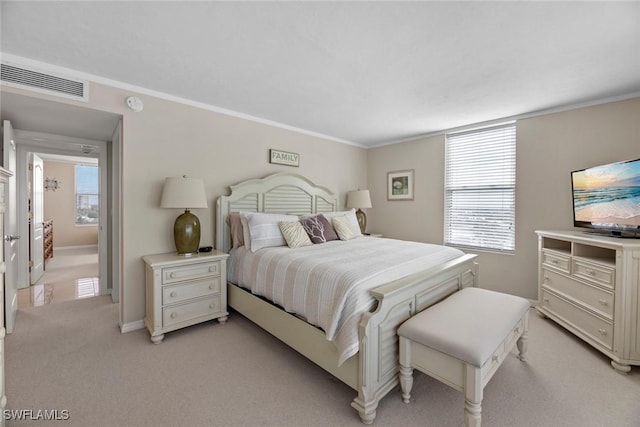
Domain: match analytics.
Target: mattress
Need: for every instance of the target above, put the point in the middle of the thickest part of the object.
(328, 284)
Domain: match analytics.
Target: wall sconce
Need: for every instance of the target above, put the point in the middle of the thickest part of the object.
(51, 184)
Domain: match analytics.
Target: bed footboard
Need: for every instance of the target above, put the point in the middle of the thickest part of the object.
(397, 301)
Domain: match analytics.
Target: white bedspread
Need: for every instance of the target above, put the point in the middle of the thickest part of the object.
(328, 284)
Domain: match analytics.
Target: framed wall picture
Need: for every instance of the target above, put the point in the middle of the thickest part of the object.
(400, 185)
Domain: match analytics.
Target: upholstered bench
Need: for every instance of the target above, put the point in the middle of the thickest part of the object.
(462, 341)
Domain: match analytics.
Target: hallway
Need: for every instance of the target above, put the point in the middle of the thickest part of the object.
(71, 274)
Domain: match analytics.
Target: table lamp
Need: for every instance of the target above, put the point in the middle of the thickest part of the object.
(359, 199)
(185, 193)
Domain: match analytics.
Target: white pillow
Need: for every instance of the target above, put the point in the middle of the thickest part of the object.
(245, 230)
(264, 230)
(353, 220)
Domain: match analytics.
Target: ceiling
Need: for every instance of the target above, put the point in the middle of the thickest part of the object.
(367, 73)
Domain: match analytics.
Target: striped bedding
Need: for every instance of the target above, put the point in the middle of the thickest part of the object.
(328, 284)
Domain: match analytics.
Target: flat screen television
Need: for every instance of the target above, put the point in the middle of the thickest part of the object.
(606, 198)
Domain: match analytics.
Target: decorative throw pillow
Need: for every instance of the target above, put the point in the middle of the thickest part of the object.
(319, 229)
(353, 220)
(264, 231)
(343, 227)
(235, 226)
(294, 234)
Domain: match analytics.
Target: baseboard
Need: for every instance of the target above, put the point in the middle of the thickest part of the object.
(132, 326)
(63, 248)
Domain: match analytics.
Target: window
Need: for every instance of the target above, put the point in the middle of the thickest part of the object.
(480, 188)
(87, 199)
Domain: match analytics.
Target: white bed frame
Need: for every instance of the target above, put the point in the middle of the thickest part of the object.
(373, 371)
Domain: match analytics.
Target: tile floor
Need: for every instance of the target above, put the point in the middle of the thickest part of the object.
(71, 274)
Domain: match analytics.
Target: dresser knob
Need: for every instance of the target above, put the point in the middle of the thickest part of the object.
(603, 302)
(591, 272)
(494, 358)
(174, 315)
(211, 306)
(211, 287)
(212, 269)
(554, 261)
(173, 294)
(545, 299)
(546, 278)
(172, 275)
(602, 332)
(517, 330)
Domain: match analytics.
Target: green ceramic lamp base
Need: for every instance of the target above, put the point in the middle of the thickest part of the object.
(186, 233)
(362, 220)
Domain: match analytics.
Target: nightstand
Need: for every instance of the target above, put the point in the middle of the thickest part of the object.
(182, 291)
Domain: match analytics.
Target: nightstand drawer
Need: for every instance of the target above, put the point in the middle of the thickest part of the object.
(185, 312)
(176, 293)
(189, 272)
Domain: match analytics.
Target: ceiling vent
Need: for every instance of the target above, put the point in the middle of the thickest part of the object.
(49, 83)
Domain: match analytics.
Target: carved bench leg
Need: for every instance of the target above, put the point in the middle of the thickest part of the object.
(473, 392)
(523, 345)
(406, 382)
(620, 367)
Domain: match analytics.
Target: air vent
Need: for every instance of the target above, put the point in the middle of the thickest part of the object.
(49, 83)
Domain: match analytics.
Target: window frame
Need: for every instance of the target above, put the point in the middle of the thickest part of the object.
(78, 194)
(483, 191)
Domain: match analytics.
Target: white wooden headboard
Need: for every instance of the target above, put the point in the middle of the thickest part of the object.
(283, 192)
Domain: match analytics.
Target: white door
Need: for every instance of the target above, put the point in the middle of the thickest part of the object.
(37, 219)
(10, 229)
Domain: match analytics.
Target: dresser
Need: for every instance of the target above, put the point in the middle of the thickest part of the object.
(47, 240)
(589, 284)
(182, 291)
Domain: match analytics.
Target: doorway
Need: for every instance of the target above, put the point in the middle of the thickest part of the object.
(63, 229)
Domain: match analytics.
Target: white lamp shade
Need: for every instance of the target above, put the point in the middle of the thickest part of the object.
(183, 193)
(358, 199)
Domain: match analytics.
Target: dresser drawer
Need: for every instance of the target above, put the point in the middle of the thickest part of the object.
(592, 326)
(190, 272)
(185, 291)
(555, 260)
(185, 312)
(595, 273)
(595, 298)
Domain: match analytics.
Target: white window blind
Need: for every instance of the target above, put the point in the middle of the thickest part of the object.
(480, 188)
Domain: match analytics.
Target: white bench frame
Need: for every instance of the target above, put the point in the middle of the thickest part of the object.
(456, 373)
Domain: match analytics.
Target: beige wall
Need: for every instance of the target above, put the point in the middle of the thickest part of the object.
(59, 206)
(172, 139)
(549, 147)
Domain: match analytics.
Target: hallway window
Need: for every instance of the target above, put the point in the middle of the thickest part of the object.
(86, 195)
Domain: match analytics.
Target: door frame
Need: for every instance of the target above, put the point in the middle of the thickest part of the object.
(36, 142)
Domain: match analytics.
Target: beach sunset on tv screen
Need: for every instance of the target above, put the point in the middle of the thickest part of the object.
(608, 195)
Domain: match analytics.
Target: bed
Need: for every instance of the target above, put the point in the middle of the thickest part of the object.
(373, 370)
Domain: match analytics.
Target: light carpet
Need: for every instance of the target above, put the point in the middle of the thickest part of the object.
(71, 356)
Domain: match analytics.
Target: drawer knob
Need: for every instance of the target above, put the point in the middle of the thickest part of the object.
(602, 332)
(211, 306)
(603, 302)
(212, 269)
(211, 287)
(174, 315)
(554, 261)
(546, 278)
(545, 299)
(591, 272)
(172, 275)
(494, 358)
(173, 294)
(517, 330)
